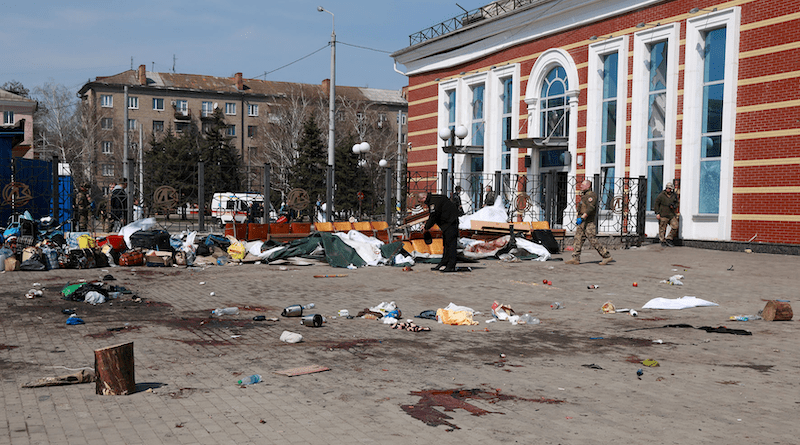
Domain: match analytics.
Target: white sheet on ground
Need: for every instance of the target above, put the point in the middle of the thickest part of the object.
(142, 224)
(678, 303)
(532, 247)
(367, 247)
(493, 213)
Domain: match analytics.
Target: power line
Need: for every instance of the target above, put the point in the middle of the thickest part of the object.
(364, 47)
(292, 63)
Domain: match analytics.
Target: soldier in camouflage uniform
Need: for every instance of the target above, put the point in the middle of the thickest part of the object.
(82, 204)
(668, 213)
(586, 210)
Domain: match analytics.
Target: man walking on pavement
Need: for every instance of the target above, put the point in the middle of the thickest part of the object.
(667, 213)
(444, 214)
(586, 209)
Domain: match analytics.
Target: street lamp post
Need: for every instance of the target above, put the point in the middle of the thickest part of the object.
(359, 149)
(331, 121)
(448, 134)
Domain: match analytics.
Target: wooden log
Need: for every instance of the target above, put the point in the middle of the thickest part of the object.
(114, 370)
(777, 311)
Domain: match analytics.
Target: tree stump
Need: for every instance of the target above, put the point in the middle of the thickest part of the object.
(114, 370)
(777, 311)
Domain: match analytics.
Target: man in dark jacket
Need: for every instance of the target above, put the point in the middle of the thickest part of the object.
(444, 214)
(119, 203)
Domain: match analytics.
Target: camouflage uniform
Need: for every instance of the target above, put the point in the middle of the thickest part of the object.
(588, 228)
(666, 208)
(83, 205)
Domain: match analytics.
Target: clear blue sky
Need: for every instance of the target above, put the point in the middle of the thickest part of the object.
(71, 42)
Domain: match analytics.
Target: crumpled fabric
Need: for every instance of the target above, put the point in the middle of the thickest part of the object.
(458, 318)
(291, 337)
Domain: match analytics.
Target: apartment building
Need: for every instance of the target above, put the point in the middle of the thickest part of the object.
(17, 112)
(252, 108)
(700, 92)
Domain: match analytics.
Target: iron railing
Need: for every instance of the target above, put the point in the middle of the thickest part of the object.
(469, 17)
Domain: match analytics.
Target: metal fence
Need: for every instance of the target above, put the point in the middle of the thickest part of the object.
(548, 197)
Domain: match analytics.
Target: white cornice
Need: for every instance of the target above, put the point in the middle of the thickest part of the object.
(509, 30)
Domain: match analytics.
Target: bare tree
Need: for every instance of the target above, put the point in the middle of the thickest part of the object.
(58, 121)
(283, 129)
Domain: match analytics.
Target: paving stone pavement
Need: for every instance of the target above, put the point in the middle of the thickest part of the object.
(488, 383)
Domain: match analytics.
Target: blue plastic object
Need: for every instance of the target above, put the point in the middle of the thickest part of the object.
(579, 221)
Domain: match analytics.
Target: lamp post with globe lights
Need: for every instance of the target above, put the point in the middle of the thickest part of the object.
(449, 135)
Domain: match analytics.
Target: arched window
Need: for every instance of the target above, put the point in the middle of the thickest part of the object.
(555, 104)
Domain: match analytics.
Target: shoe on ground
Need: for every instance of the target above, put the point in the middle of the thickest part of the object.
(606, 261)
(449, 269)
(573, 261)
(663, 244)
(670, 243)
(437, 267)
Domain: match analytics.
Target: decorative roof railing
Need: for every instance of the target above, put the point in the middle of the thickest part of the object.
(491, 10)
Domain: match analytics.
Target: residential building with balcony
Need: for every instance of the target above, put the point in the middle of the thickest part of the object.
(253, 110)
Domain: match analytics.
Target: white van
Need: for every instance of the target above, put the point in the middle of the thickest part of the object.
(227, 207)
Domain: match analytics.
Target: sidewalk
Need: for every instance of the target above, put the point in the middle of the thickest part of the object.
(488, 383)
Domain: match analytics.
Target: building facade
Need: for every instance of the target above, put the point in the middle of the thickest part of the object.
(259, 114)
(17, 111)
(700, 92)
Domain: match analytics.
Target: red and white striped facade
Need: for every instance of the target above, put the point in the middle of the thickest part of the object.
(756, 159)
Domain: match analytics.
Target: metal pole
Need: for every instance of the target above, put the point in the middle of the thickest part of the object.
(388, 196)
(141, 170)
(201, 196)
(55, 189)
(399, 155)
(444, 181)
(331, 123)
(642, 208)
(267, 201)
(126, 173)
(497, 184)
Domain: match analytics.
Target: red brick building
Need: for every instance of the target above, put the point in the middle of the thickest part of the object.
(702, 93)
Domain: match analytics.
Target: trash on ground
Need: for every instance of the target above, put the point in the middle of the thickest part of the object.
(82, 376)
(310, 369)
(608, 308)
(650, 362)
(296, 310)
(291, 337)
(674, 280)
(678, 303)
(255, 378)
(409, 325)
(777, 310)
(74, 320)
(225, 311)
(502, 311)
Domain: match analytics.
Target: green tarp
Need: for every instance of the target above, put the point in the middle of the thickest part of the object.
(337, 253)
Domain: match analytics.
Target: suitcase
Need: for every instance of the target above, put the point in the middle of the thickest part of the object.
(546, 239)
(151, 240)
(131, 258)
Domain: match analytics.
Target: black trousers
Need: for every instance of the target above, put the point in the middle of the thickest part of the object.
(450, 241)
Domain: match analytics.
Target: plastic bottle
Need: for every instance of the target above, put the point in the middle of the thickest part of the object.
(557, 305)
(255, 378)
(527, 319)
(221, 261)
(226, 311)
